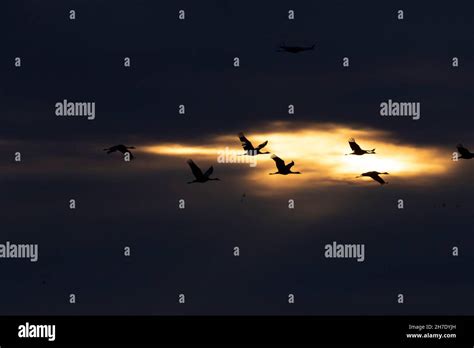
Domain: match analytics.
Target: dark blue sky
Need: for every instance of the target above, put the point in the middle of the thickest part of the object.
(190, 251)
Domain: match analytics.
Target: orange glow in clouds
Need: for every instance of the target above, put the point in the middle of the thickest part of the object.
(319, 153)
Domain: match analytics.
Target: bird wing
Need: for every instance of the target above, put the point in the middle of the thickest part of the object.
(195, 169)
(377, 178)
(262, 145)
(246, 144)
(354, 146)
(209, 172)
(463, 151)
(289, 165)
(280, 164)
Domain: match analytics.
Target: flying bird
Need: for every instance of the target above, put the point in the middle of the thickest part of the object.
(248, 147)
(465, 153)
(356, 150)
(200, 177)
(282, 168)
(121, 148)
(295, 49)
(375, 176)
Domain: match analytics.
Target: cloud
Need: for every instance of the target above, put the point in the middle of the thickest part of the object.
(318, 150)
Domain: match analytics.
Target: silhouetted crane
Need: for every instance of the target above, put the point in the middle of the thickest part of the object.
(465, 153)
(121, 148)
(295, 49)
(248, 147)
(356, 150)
(374, 175)
(200, 177)
(282, 168)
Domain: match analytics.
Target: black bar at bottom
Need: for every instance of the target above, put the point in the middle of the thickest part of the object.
(135, 330)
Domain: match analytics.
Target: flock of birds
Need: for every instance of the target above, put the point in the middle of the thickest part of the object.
(282, 167)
